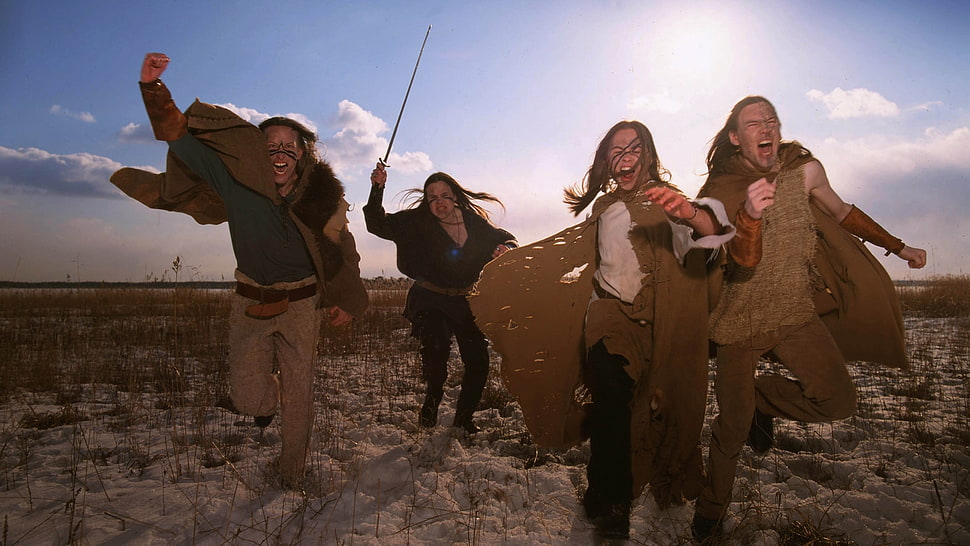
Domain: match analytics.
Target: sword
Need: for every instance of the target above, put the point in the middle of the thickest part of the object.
(401, 113)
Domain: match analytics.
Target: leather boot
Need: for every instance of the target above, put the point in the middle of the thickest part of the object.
(168, 122)
(429, 411)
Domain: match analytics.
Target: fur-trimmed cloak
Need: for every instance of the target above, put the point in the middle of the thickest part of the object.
(319, 209)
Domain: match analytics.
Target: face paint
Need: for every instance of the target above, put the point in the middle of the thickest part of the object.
(290, 153)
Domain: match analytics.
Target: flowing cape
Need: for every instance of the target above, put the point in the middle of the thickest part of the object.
(182, 190)
(532, 302)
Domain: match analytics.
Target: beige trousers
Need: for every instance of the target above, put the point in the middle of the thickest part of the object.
(271, 361)
(823, 392)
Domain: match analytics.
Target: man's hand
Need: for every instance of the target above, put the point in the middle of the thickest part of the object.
(378, 177)
(338, 317)
(153, 66)
(915, 257)
(760, 195)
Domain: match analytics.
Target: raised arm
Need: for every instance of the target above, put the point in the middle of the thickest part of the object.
(376, 219)
(168, 123)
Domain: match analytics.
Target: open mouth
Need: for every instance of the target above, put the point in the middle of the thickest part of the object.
(280, 168)
(624, 173)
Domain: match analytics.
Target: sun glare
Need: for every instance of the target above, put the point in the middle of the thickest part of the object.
(693, 47)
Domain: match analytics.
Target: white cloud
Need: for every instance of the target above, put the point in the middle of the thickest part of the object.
(86, 117)
(854, 103)
(358, 143)
(915, 188)
(256, 117)
(881, 156)
(37, 171)
(927, 106)
(134, 133)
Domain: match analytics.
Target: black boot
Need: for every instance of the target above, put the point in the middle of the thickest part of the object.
(474, 355)
(429, 411)
(761, 436)
(465, 423)
(706, 530)
(613, 522)
(263, 421)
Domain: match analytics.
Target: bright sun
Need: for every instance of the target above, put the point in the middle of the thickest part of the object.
(692, 46)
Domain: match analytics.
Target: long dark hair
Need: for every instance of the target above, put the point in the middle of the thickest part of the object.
(599, 176)
(721, 147)
(306, 138)
(464, 198)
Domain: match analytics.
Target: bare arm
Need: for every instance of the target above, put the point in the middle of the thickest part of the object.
(818, 187)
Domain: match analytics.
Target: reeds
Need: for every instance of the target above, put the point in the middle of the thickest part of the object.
(138, 377)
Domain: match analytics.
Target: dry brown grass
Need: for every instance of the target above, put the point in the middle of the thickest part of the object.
(171, 343)
(945, 296)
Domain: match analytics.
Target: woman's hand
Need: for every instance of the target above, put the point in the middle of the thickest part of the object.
(378, 177)
(673, 202)
(499, 250)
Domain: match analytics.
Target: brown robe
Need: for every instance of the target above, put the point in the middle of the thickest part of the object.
(860, 306)
(319, 210)
(532, 303)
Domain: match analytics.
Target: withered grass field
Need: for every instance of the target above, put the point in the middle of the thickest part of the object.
(117, 358)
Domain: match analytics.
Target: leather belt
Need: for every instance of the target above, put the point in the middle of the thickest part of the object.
(602, 293)
(446, 291)
(268, 295)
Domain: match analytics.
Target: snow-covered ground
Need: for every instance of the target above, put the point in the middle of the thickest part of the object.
(95, 465)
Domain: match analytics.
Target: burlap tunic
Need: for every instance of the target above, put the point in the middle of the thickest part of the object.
(852, 292)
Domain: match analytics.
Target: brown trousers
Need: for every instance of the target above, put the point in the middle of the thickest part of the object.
(823, 392)
(272, 361)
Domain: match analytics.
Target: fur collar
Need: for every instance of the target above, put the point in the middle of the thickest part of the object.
(319, 195)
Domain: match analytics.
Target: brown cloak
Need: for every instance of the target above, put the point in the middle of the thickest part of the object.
(860, 307)
(532, 302)
(319, 210)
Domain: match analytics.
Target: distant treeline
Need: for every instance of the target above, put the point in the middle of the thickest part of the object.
(377, 283)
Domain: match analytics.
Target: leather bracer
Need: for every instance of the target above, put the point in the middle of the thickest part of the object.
(859, 224)
(168, 122)
(745, 247)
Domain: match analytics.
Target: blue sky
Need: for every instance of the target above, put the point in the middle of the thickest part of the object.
(510, 98)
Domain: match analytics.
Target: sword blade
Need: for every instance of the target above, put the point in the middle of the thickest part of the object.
(403, 104)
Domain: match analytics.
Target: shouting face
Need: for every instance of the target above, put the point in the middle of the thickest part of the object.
(624, 155)
(758, 135)
(285, 150)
